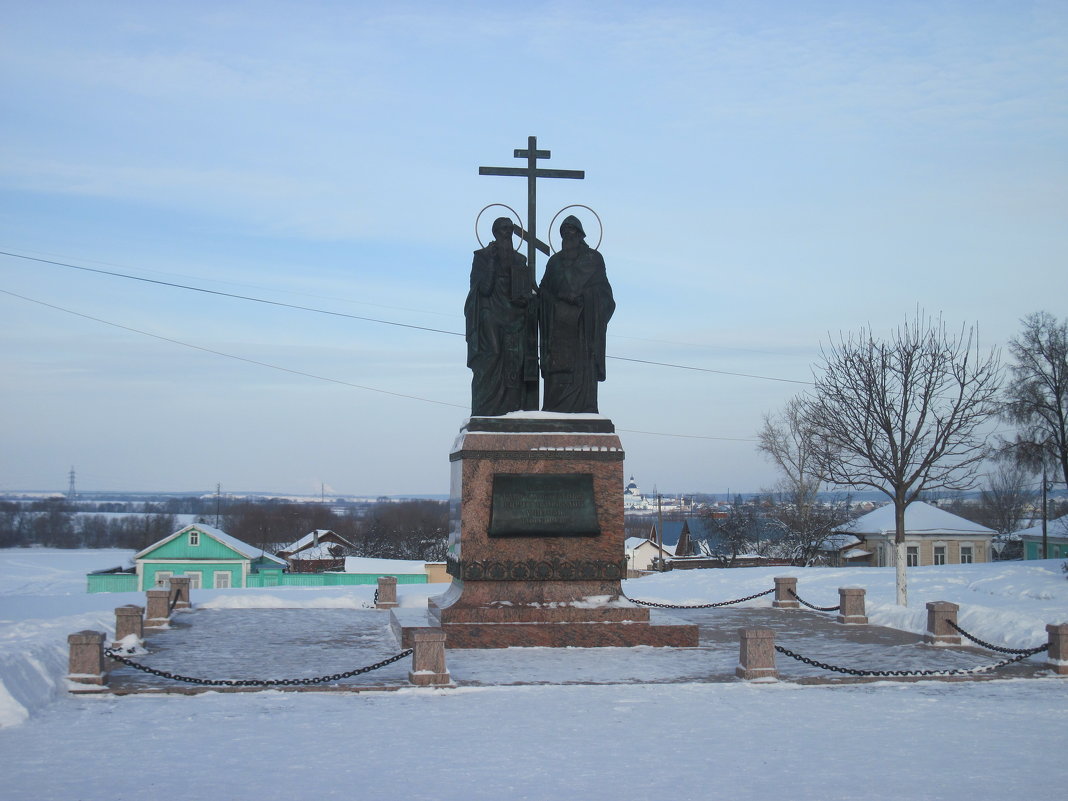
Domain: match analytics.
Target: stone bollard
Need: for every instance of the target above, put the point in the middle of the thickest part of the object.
(851, 599)
(129, 620)
(428, 659)
(387, 593)
(756, 655)
(784, 586)
(939, 616)
(1057, 655)
(158, 609)
(87, 659)
(180, 587)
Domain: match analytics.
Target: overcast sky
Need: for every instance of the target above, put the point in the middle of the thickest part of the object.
(768, 174)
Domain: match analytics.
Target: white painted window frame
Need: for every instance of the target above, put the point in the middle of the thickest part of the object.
(935, 554)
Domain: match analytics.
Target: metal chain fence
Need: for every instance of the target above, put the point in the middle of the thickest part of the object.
(803, 602)
(256, 682)
(698, 606)
(1000, 649)
(905, 673)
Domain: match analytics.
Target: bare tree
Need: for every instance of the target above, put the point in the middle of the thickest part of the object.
(733, 535)
(804, 531)
(792, 445)
(903, 415)
(1006, 499)
(1036, 399)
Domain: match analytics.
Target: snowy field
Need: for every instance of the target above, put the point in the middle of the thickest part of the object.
(688, 740)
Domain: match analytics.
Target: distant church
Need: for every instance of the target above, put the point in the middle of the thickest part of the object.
(635, 502)
(632, 498)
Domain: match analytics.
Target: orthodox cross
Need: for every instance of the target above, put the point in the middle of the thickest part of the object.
(532, 172)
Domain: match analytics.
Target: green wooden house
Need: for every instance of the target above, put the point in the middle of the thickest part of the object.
(1056, 539)
(210, 557)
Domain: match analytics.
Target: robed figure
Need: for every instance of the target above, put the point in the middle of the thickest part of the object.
(501, 328)
(575, 305)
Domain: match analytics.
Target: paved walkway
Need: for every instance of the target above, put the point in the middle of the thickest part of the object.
(305, 643)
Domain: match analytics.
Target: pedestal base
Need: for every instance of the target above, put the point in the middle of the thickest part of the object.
(536, 545)
(568, 635)
(593, 628)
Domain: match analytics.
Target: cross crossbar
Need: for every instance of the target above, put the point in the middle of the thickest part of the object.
(524, 172)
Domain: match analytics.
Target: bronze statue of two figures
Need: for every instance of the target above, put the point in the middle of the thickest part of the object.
(516, 329)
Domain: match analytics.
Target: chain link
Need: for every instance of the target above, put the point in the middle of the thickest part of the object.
(893, 673)
(817, 608)
(998, 648)
(699, 606)
(256, 682)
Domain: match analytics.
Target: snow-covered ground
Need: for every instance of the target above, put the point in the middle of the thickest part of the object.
(924, 740)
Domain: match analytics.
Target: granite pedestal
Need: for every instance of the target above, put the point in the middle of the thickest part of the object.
(536, 539)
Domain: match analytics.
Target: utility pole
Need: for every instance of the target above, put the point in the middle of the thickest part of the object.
(1045, 535)
(660, 531)
(218, 498)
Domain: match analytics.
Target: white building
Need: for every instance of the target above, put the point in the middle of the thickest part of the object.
(932, 537)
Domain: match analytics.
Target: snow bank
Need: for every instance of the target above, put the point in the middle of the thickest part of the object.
(33, 662)
(1006, 603)
(43, 599)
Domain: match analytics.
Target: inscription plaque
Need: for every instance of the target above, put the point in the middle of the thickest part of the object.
(539, 505)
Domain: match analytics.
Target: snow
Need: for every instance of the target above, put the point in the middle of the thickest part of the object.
(920, 517)
(385, 567)
(1054, 528)
(556, 739)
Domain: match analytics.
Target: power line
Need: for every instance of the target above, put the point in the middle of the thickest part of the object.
(230, 355)
(310, 375)
(233, 295)
(226, 294)
(685, 436)
(707, 370)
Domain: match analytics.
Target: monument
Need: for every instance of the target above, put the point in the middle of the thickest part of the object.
(536, 516)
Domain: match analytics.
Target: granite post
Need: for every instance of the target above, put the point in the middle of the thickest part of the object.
(387, 593)
(756, 655)
(180, 588)
(129, 620)
(428, 659)
(939, 616)
(1057, 655)
(157, 609)
(851, 601)
(785, 593)
(86, 664)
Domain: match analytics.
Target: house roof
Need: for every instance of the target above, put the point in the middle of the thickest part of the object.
(699, 528)
(633, 543)
(1054, 528)
(233, 543)
(920, 518)
(835, 542)
(307, 547)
